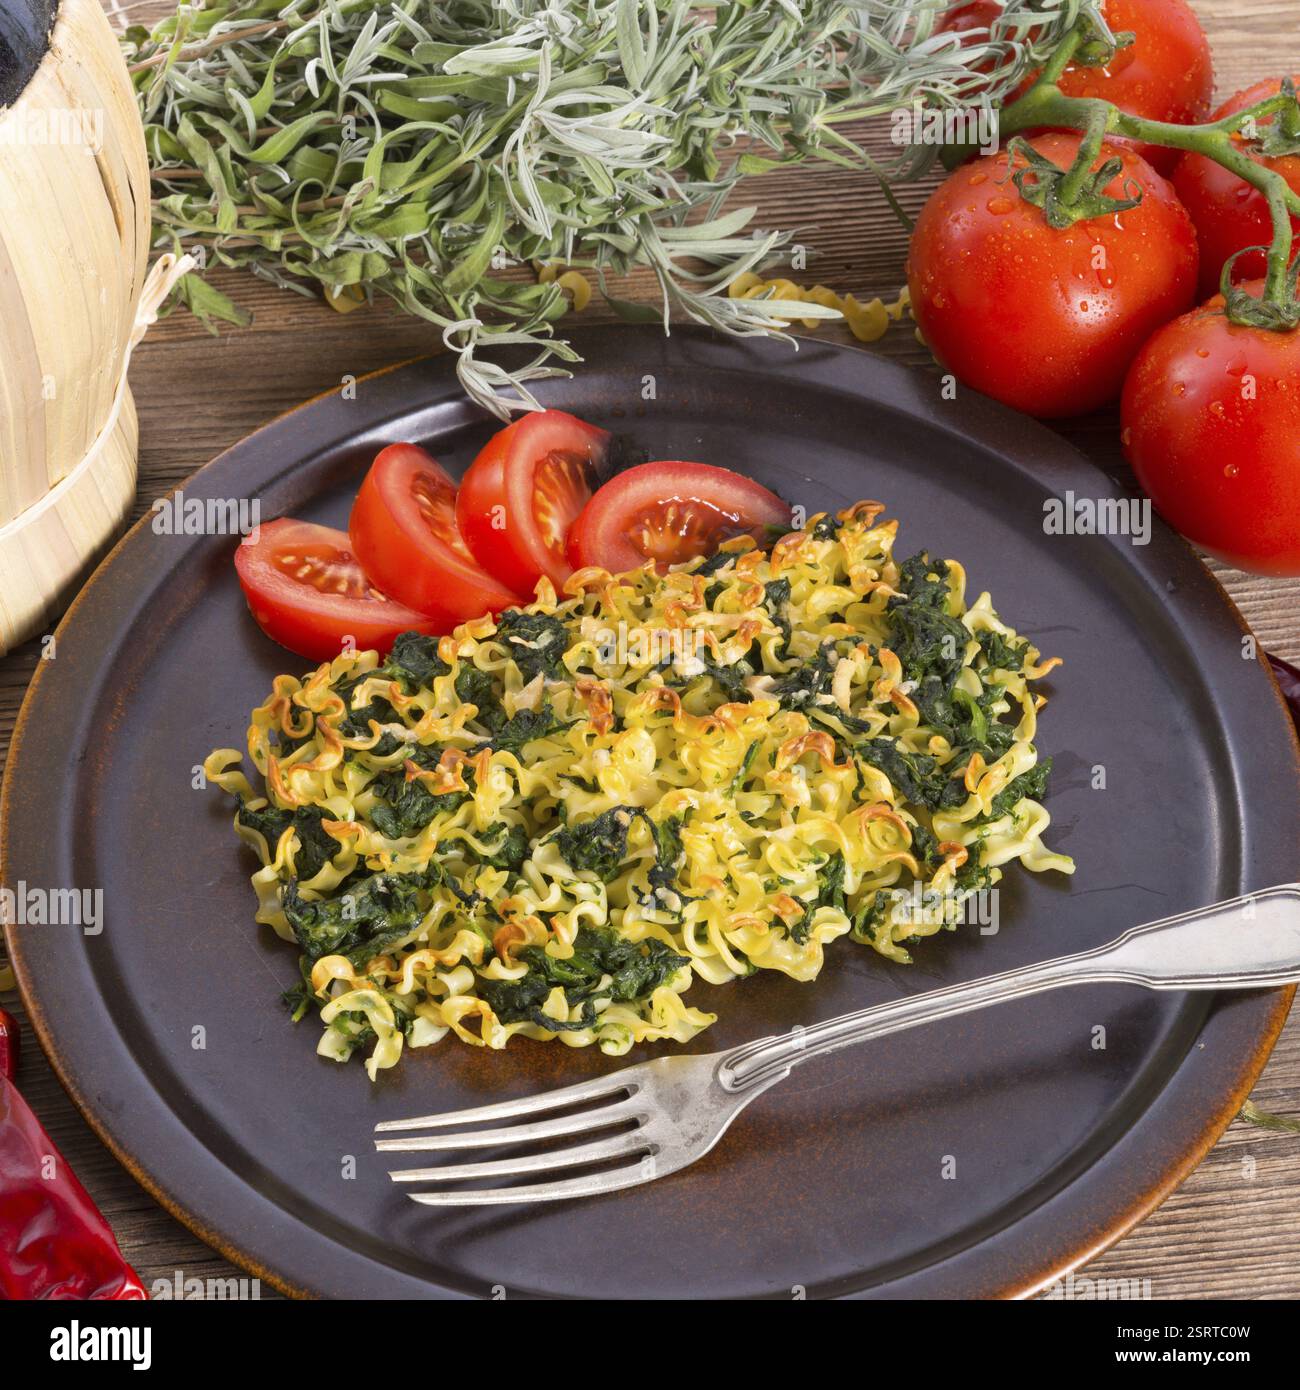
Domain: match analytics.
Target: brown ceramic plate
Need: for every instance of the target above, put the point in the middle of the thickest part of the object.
(983, 1156)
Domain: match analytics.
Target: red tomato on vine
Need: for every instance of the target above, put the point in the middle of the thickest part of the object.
(1044, 319)
(1211, 424)
(1228, 212)
(1166, 74)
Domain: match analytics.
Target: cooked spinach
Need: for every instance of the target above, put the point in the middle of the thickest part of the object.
(536, 642)
(505, 734)
(916, 775)
(668, 851)
(1032, 784)
(713, 563)
(776, 595)
(871, 916)
(731, 678)
(522, 728)
(927, 640)
(935, 703)
(976, 714)
(298, 998)
(972, 877)
(809, 680)
(738, 781)
(479, 688)
(405, 808)
(316, 847)
(830, 893)
(364, 917)
(925, 846)
(966, 721)
(635, 969)
(511, 847)
(356, 722)
(413, 659)
(1000, 653)
(598, 846)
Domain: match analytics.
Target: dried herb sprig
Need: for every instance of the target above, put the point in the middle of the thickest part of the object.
(418, 149)
(1284, 1124)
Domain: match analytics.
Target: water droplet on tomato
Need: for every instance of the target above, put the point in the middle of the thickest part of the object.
(977, 178)
(1202, 352)
(999, 207)
(1230, 470)
(1180, 388)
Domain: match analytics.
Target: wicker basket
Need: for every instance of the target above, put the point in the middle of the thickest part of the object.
(74, 236)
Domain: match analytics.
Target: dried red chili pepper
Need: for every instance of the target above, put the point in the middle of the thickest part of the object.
(1288, 682)
(53, 1241)
(10, 1039)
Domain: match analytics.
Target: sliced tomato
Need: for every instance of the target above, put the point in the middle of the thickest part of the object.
(403, 529)
(308, 593)
(669, 512)
(523, 493)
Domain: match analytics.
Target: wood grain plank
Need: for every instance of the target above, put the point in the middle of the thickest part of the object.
(1233, 1229)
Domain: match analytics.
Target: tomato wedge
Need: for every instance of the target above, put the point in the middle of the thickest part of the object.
(669, 512)
(403, 529)
(307, 592)
(524, 491)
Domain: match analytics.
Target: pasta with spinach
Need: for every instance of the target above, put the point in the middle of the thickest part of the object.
(552, 823)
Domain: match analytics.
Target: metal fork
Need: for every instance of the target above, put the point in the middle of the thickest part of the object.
(656, 1117)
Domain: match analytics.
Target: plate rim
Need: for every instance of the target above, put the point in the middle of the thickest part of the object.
(752, 358)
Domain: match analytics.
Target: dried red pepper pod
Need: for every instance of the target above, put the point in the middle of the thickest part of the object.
(1288, 682)
(10, 1039)
(53, 1241)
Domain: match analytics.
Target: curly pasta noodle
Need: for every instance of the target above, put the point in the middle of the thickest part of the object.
(551, 823)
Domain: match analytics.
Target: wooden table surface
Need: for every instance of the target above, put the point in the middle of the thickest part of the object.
(1233, 1229)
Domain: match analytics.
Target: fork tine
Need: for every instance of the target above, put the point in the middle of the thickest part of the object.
(584, 1123)
(620, 1146)
(591, 1186)
(507, 1109)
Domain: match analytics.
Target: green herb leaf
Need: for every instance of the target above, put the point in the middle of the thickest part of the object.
(414, 151)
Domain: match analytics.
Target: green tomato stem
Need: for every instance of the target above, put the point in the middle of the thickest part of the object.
(1046, 106)
(1060, 59)
(1277, 285)
(1289, 121)
(1094, 132)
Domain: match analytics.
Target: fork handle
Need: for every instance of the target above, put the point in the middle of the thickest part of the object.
(1252, 942)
